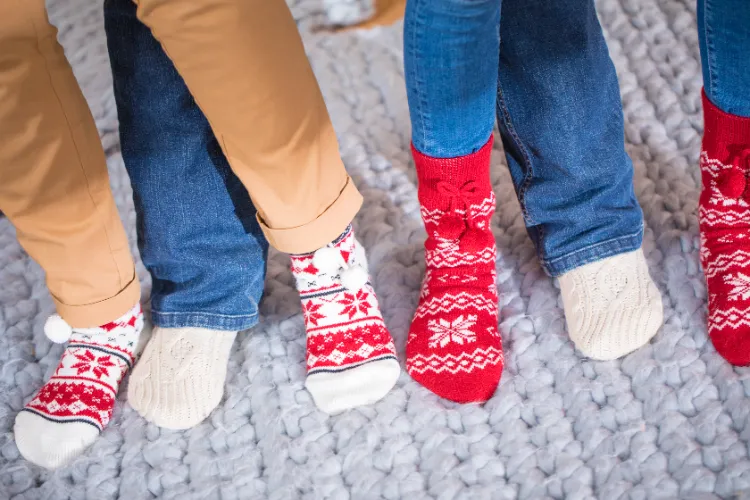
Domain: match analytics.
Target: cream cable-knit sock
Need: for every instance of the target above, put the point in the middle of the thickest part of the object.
(179, 380)
(612, 306)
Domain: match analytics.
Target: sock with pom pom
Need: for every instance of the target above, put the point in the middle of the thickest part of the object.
(351, 359)
(454, 347)
(71, 409)
(724, 215)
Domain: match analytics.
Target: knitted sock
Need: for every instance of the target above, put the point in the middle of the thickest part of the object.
(612, 307)
(351, 359)
(454, 347)
(179, 380)
(725, 230)
(71, 409)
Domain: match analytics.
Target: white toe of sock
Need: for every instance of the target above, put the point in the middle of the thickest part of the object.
(51, 444)
(180, 378)
(612, 306)
(359, 386)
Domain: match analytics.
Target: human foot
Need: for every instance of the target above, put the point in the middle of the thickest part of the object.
(180, 378)
(351, 359)
(724, 216)
(612, 307)
(71, 409)
(454, 347)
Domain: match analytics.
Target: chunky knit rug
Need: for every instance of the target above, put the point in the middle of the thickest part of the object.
(669, 421)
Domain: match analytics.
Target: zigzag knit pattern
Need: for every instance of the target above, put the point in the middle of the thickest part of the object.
(725, 230)
(454, 346)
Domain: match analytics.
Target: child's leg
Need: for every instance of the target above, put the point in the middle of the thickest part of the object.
(244, 62)
(451, 56)
(561, 121)
(724, 36)
(724, 33)
(54, 187)
(197, 231)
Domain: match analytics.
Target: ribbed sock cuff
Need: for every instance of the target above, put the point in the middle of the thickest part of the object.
(722, 129)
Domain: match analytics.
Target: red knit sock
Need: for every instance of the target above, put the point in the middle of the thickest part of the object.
(454, 348)
(725, 230)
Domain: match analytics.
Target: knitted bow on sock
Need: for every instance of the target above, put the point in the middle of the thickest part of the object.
(725, 230)
(454, 347)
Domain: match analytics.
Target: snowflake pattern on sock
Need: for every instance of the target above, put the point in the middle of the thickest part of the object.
(454, 347)
(724, 214)
(84, 386)
(345, 328)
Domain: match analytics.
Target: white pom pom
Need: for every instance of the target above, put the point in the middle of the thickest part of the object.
(57, 330)
(354, 278)
(328, 260)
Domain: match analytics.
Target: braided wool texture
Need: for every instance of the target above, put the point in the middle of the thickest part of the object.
(668, 421)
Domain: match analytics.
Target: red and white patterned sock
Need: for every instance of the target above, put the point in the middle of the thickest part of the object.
(67, 414)
(725, 230)
(351, 359)
(454, 347)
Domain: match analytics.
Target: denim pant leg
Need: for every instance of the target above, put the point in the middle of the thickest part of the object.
(561, 122)
(197, 231)
(450, 59)
(724, 35)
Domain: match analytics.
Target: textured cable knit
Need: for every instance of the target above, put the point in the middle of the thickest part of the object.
(180, 378)
(454, 347)
(351, 359)
(725, 230)
(72, 408)
(612, 306)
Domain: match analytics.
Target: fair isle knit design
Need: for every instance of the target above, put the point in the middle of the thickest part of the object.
(84, 386)
(344, 326)
(454, 347)
(724, 215)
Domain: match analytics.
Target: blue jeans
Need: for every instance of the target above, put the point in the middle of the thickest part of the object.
(197, 231)
(544, 68)
(724, 35)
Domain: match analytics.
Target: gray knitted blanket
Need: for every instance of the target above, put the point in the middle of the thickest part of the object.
(669, 421)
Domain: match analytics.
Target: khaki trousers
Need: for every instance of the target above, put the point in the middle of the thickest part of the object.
(243, 61)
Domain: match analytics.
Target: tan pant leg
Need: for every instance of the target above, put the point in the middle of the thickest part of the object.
(244, 63)
(54, 185)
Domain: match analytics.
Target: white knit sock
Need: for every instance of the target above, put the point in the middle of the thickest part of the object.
(179, 380)
(612, 306)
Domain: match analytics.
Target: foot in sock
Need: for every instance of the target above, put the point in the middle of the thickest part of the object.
(454, 347)
(69, 412)
(724, 216)
(180, 378)
(612, 307)
(351, 359)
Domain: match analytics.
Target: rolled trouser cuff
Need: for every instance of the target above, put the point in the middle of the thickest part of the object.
(320, 231)
(103, 312)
